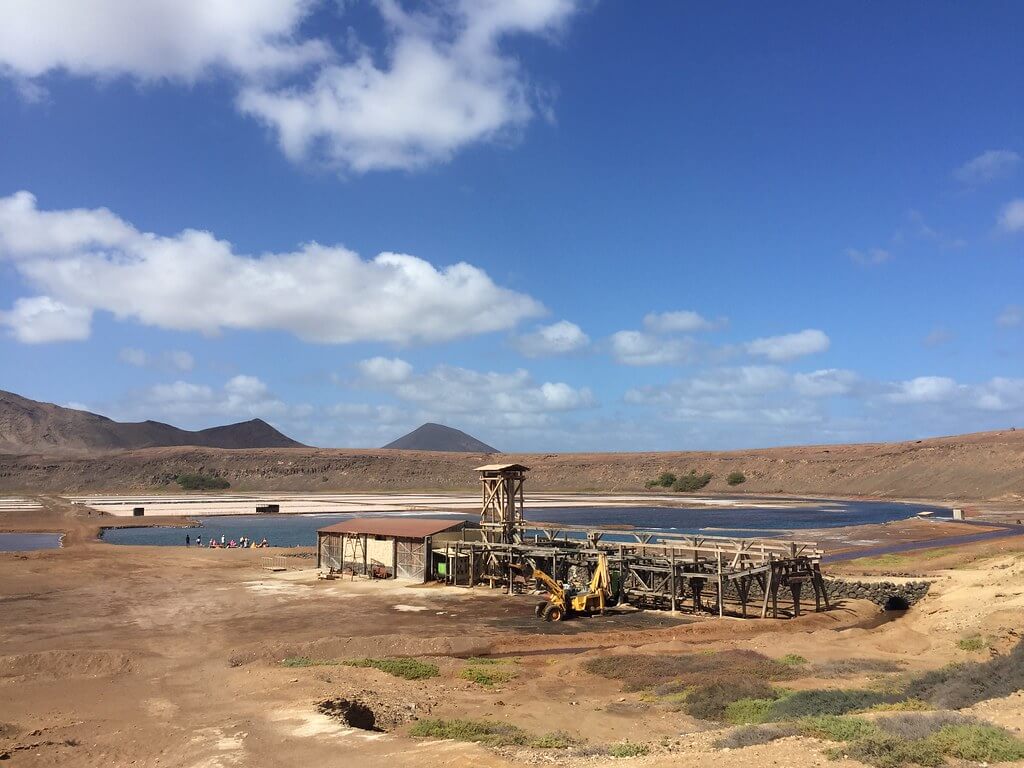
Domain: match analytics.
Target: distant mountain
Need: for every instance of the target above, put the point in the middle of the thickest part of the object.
(438, 437)
(30, 426)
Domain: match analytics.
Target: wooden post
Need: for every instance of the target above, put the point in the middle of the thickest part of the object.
(472, 566)
(344, 538)
(721, 594)
(365, 569)
(672, 560)
(455, 565)
(767, 588)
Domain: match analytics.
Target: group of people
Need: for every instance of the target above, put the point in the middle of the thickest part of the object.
(244, 542)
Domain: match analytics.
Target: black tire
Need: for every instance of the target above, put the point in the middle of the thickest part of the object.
(552, 613)
(539, 609)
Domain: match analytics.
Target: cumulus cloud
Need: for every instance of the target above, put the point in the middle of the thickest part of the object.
(988, 166)
(870, 257)
(681, 321)
(442, 83)
(438, 81)
(1011, 218)
(789, 346)
(176, 359)
(42, 319)
(152, 39)
(829, 382)
(639, 348)
(924, 389)
(511, 399)
(999, 394)
(87, 260)
(561, 338)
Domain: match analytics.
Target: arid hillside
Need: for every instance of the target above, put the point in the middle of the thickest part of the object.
(984, 466)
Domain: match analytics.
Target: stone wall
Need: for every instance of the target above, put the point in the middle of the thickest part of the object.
(887, 594)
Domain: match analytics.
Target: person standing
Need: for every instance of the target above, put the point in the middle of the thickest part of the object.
(186, 540)
(199, 539)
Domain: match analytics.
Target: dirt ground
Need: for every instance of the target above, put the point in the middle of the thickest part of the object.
(153, 656)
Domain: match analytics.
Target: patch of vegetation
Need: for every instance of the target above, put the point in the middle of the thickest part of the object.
(962, 685)
(664, 480)
(736, 478)
(409, 669)
(489, 733)
(627, 749)
(749, 711)
(979, 743)
(200, 482)
(826, 702)
(832, 728)
(751, 735)
(691, 482)
(885, 751)
(487, 675)
(711, 701)
(914, 726)
(844, 667)
(792, 660)
(972, 643)
(905, 705)
(487, 660)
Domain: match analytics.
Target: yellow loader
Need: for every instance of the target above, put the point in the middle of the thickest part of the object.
(564, 601)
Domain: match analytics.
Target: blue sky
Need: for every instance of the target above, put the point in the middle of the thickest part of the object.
(557, 225)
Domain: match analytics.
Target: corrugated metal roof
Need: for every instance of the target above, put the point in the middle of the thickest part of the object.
(400, 527)
(499, 467)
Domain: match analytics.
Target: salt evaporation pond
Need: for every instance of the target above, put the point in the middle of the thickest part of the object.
(300, 530)
(29, 542)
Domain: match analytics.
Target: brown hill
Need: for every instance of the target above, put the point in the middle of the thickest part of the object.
(968, 467)
(438, 437)
(29, 426)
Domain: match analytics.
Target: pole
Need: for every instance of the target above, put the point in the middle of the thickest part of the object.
(672, 560)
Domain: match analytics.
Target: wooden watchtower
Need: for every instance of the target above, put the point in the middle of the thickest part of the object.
(501, 515)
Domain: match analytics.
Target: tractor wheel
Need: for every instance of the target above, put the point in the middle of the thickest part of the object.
(552, 613)
(539, 609)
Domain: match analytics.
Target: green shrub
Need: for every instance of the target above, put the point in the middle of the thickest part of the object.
(627, 749)
(487, 675)
(979, 743)
(885, 751)
(710, 701)
(736, 478)
(749, 711)
(554, 740)
(410, 669)
(913, 726)
(792, 660)
(826, 702)
(480, 731)
(691, 482)
(972, 643)
(199, 482)
(833, 728)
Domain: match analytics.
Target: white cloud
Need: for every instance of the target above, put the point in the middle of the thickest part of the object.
(509, 399)
(240, 398)
(870, 257)
(442, 83)
(829, 382)
(638, 348)
(1011, 218)
(559, 338)
(988, 166)
(175, 359)
(42, 319)
(152, 39)
(438, 81)
(789, 346)
(925, 389)
(384, 370)
(91, 260)
(1011, 316)
(681, 321)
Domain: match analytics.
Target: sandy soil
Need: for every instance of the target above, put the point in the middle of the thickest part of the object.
(171, 657)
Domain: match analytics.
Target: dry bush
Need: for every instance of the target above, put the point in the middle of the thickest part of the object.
(962, 685)
(751, 735)
(710, 701)
(844, 667)
(920, 725)
(826, 702)
(647, 671)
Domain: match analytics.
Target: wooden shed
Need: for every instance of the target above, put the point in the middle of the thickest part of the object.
(389, 547)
